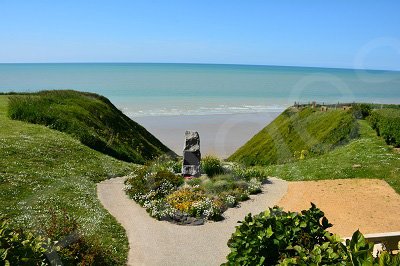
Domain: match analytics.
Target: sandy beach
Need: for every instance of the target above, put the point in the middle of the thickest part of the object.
(220, 135)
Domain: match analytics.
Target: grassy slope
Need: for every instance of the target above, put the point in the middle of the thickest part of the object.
(42, 168)
(296, 130)
(92, 119)
(377, 160)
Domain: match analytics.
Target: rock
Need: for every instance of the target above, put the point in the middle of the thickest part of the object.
(198, 222)
(191, 154)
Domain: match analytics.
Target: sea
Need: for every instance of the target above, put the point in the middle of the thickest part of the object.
(160, 89)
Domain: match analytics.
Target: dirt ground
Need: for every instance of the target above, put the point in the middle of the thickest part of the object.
(369, 205)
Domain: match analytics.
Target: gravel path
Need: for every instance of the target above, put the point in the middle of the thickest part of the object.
(155, 242)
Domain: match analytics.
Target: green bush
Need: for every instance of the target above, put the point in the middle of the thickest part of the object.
(361, 110)
(211, 166)
(146, 179)
(165, 163)
(240, 194)
(194, 182)
(275, 237)
(18, 247)
(81, 250)
(386, 123)
(270, 237)
(247, 173)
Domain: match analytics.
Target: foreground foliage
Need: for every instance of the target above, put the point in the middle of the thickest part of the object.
(42, 168)
(159, 187)
(20, 248)
(63, 244)
(90, 118)
(276, 237)
(296, 134)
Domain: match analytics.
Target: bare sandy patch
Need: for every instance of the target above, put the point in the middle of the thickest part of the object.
(369, 205)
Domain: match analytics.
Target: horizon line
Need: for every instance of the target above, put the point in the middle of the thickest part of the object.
(191, 63)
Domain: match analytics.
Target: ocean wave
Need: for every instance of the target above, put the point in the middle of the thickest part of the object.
(203, 110)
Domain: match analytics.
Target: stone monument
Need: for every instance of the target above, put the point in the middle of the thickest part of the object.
(191, 154)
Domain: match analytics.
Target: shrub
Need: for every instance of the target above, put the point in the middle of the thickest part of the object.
(229, 199)
(254, 186)
(165, 163)
(183, 199)
(18, 247)
(272, 236)
(61, 227)
(158, 183)
(246, 173)
(159, 209)
(217, 186)
(211, 165)
(362, 110)
(194, 182)
(195, 203)
(149, 185)
(275, 237)
(240, 194)
(386, 122)
(208, 208)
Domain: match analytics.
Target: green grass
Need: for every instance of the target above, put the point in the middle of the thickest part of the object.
(377, 160)
(296, 130)
(90, 118)
(41, 168)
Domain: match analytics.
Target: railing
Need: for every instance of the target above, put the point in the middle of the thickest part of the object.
(320, 104)
(390, 240)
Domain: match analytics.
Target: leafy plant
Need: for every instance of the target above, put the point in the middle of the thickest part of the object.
(183, 199)
(246, 173)
(18, 247)
(254, 186)
(61, 227)
(211, 165)
(146, 179)
(275, 237)
(359, 251)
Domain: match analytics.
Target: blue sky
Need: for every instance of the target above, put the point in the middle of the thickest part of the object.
(350, 34)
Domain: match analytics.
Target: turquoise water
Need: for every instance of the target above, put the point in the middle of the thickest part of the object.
(184, 89)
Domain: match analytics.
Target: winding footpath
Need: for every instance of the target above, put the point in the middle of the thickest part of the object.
(155, 242)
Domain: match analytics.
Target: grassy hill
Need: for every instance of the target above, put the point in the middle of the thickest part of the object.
(365, 157)
(296, 131)
(44, 170)
(90, 118)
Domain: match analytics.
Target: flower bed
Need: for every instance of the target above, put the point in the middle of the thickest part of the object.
(163, 192)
